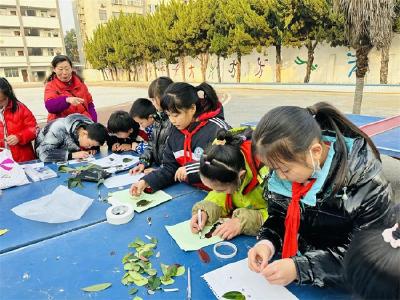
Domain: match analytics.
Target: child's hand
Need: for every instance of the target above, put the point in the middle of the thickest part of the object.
(136, 170)
(258, 257)
(138, 188)
(125, 147)
(148, 171)
(134, 146)
(194, 222)
(229, 229)
(75, 101)
(115, 147)
(180, 174)
(12, 140)
(280, 272)
(80, 155)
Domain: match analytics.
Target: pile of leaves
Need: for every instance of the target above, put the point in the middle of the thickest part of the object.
(139, 270)
(75, 180)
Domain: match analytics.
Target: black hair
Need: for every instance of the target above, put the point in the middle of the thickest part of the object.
(97, 132)
(182, 95)
(158, 86)
(59, 59)
(120, 121)
(142, 108)
(372, 266)
(286, 132)
(223, 162)
(7, 90)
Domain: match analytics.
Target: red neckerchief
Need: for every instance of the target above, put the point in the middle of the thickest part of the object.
(292, 220)
(187, 144)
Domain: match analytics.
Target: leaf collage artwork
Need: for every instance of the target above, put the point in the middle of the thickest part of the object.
(140, 272)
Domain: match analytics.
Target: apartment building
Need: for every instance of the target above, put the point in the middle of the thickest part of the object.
(30, 36)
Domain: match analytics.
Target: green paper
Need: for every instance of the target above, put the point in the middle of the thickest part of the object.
(155, 199)
(189, 241)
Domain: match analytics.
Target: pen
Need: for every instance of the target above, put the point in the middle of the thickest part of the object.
(199, 221)
(189, 287)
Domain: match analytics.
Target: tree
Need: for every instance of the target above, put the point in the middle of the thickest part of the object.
(242, 25)
(384, 70)
(71, 45)
(369, 24)
(199, 22)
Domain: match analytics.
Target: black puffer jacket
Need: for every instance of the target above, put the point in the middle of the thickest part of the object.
(326, 228)
(156, 145)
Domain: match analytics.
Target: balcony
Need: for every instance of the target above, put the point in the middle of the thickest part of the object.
(39, 3)
(9, 21)
(37, 61)
(12, 61)
(39, 22)
(8, 2)
(44, 42)
(11, 41)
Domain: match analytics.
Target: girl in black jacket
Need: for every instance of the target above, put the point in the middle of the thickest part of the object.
(326, 184)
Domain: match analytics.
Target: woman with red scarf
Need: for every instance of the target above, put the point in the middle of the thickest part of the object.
(326, 184)
(65, 93)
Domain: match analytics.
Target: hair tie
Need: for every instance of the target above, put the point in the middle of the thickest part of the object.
(390, 236)
(311, 111)
(219, 142)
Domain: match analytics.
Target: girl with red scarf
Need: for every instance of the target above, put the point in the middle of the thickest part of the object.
(326, 184)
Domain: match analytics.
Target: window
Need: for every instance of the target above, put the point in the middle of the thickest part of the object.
(135, 2)
(3, 52)
(50, 51)
(55, 33)
(13, 12)
(20, 52)
(116, 2)
(31, 13)
(3, 12)
(102, 15)
(17, 33)
(49, 34)
(43, 13)
(116, 14)
(11, 72)
(35, 52)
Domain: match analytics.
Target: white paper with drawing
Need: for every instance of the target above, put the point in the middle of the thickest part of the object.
(238, 277)
(116, 162)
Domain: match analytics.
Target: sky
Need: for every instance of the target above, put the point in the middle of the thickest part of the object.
(67, 17)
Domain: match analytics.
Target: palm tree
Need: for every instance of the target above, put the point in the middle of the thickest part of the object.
(368, 24)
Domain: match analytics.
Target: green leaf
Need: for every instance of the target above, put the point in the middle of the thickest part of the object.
(128, 266)
(137, 298)
(65, 169)
(126, 258)
(154, 283)
(97, 287)
(3, 231)
(172, 270)
(154, 241)
(234, 295)
(126, 160)
(141, 282)
(180, 271)
(125, 280)
(151, 272)
(164, 269)
(146, 254)
(166, 280)
(133, 291)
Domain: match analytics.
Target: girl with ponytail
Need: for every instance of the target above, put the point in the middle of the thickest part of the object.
(234, 175)
(196, 115)
(326, 183)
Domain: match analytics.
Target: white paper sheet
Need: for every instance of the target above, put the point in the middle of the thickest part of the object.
(62, 205)
(115, 162)
(122, 180)
(238, 277)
